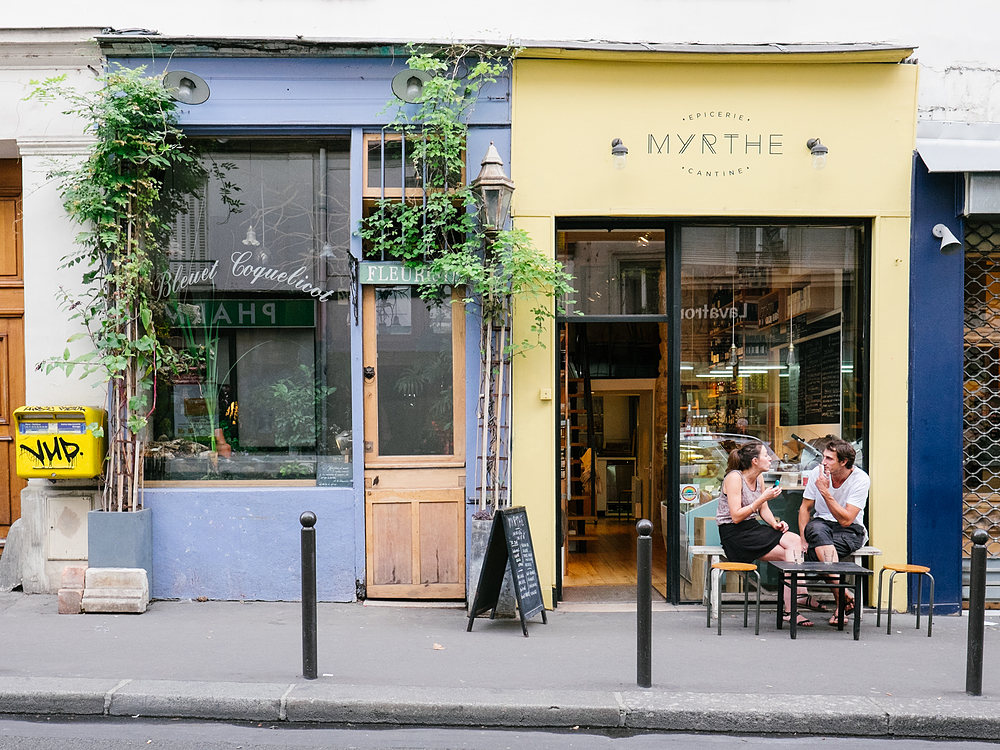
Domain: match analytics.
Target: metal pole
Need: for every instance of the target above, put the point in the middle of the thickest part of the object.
(308, 520)
(977, 614)
(644, 604)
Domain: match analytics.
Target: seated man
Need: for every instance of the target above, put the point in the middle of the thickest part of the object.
(839, 492)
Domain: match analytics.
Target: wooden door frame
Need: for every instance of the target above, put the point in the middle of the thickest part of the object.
(415, 482)
(12, 320)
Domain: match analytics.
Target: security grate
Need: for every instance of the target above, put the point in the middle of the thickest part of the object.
(981, 481)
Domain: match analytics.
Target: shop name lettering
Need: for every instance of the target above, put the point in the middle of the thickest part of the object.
(169, 284)
(713, 313)
(714, 144)
(377, 273)
(61, 449)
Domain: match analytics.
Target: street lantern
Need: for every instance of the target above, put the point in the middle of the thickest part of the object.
(493, 189)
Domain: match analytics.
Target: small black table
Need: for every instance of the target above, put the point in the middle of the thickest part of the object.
(812, 573)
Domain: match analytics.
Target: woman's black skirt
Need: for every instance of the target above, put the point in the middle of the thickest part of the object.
(747, 541)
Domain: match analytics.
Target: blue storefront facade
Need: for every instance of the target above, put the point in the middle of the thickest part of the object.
(274, 288)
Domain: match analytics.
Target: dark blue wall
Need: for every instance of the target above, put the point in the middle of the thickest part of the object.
(934, 481)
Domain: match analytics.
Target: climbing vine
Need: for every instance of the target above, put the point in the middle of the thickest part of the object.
(124, 194)
(499, 269)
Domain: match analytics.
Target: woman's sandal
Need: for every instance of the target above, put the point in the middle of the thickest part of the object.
(811, 602)
(800, 621)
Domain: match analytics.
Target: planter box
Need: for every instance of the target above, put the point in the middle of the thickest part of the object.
(121, 540)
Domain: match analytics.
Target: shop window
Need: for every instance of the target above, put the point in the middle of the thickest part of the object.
(615, 272)
(388, 163)
(257, 293)
(769, 331)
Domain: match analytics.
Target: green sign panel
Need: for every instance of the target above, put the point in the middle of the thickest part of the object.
(397, 273)
(245, 313)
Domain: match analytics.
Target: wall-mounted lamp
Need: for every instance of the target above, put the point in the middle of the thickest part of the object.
(818, 151)
(950, 244)
(619, 153)
(494, 189)
(408, 84)
(186, 87)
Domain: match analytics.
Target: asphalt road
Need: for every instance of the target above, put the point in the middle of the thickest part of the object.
(68, 733)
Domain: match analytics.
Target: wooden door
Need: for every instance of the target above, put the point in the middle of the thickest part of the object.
(414, 445)
(11, 339)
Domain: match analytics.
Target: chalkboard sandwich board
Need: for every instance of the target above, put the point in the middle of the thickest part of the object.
(510, 540)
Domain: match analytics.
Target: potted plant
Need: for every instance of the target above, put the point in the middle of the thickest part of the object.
(121, 197)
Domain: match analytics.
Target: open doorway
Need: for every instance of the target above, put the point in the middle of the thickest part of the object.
(612, 388)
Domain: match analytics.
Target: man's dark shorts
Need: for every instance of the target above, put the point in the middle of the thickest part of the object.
(845, 539)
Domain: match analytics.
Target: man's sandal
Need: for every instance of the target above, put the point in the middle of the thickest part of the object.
(811, 602)
(848, 608)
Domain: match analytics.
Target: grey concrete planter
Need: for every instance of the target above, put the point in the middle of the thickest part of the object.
(121, 540)
(480, 540)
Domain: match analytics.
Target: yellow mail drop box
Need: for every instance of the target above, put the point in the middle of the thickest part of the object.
(58, 442)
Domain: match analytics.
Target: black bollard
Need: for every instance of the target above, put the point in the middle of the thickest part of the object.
(308, 520)
(644, 604)
(977, 614)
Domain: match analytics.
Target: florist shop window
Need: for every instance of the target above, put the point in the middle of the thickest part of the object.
(256, 292)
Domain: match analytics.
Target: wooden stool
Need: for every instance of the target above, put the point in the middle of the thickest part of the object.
(922, 571)
(744, 570)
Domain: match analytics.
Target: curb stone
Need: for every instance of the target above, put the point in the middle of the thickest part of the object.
(452, 706)
(952, 716)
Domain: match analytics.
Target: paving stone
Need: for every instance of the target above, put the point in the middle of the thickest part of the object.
(71, 601)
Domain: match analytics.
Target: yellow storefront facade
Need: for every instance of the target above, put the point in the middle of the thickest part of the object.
(729, 284)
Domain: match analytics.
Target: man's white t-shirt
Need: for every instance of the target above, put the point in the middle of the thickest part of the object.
(854, 492)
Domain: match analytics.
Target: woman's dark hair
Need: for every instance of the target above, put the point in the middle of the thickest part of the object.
(741, 458)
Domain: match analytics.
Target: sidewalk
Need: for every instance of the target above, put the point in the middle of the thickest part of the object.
(418, 665)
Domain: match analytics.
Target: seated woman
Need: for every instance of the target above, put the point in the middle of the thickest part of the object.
(743, 499)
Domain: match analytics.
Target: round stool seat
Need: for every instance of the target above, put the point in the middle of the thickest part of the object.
(908, 568)
(734, 566)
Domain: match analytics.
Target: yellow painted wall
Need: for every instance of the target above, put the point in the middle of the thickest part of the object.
(566, 112)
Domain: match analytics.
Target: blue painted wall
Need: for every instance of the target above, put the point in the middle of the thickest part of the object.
(934, 481)
(244, 543)
(311, 93)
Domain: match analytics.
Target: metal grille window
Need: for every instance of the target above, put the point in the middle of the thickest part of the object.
(981, 481)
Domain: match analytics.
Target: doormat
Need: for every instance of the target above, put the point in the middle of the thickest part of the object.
(595, 594)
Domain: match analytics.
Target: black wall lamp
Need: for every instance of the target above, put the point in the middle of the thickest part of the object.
(818, 151)
(950, 244)
(619, 154)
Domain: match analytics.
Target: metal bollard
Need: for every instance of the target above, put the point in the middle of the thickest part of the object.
(977, 614)
(644, 604)
(308, 520)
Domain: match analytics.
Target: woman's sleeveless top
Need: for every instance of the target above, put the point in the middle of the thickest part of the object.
(747, 497)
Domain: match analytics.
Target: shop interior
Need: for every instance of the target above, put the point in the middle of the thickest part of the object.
(769, 348)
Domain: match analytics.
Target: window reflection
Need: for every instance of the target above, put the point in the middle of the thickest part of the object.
(255, 292)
